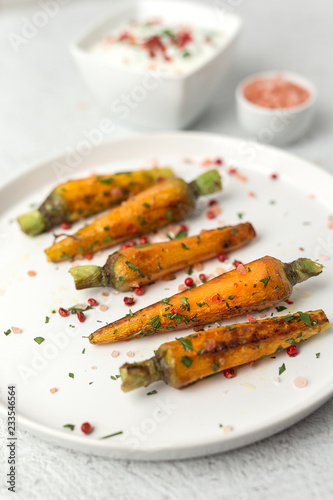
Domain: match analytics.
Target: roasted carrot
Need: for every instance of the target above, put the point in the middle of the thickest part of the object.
(188, 359)
(256, 286)
(157, 206)
(144, 264)
(75, 199)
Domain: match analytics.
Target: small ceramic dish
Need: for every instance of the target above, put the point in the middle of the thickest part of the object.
(160, 101)
(278, 126)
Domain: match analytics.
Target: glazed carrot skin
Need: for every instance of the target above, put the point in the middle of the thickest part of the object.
(258, 285)
(79, 198)
(186, 360)
(142, 265)
(157, 206)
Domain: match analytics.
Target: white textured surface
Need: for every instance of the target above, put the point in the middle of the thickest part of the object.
(46, 109)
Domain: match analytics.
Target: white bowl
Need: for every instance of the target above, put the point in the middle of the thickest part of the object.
(276, 126)
(161, 102)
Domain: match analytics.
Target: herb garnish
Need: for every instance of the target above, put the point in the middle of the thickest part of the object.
(186, 343)
(265, 281)
(305, 318)
(186, 361)
(282, 368)
(134, 268)
(39, 340)
(69, 426)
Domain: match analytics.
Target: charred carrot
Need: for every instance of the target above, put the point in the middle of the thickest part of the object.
(188, 359)
(144, 264)
(75, 199)
(157, 206)
(256, 286)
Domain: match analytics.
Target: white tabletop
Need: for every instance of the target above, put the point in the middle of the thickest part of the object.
(45, 109)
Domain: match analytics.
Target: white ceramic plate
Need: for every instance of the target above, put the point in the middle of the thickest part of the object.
(169, 424)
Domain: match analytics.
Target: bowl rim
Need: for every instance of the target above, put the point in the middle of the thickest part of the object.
(76, 50)
(288, 75)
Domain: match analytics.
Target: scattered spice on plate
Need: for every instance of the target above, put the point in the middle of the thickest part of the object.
(53, 390)
(300, 382)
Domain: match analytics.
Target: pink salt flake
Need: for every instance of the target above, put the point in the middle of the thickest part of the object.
(115, 292)
(240, 177)
(215, 209)
(219, 271)
(105, 294)
(227, 429)
(330, 223)
(32, 273)
(15, 329)
(251, 319)
(53, 390)
(300, 382)
(206, 163)
(241, 269)
(182, 287)
(312, 196)
(130, 354)
(323, 257)
(94, 367)
(276, 380)
(252, 194)
(74, 264)
(198, 267)
(79, 257)
(115, 354)
(103, 308)
(262, 315)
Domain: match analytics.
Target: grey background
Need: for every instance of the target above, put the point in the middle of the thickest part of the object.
(45, 109)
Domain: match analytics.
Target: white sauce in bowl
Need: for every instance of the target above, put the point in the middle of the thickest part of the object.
(153, 45)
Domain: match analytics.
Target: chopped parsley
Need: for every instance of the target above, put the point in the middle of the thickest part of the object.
(184, 246)
(202, 351)
(265, 281)
(39, 340)
(305, 318)
(47, 319)
(216, 366)
(74, 309)
(69, 426)
(185, 302)
(111, 435)
(282, 369)
(280, 308)
(106, 181)
(146, 205)
(83, 350)
(186, 343)
(169, 215)
(134, 268)
(186, 361)
(71, 375)
(151, 393)
(114, 377)
(317, 355)
(7, 332)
